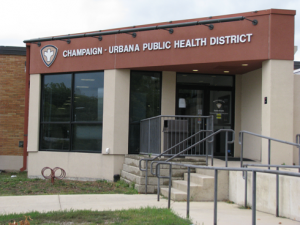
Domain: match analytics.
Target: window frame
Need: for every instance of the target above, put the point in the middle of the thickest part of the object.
(71, 122)
(147, 73)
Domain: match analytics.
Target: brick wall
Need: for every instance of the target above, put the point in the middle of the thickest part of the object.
(12, 103)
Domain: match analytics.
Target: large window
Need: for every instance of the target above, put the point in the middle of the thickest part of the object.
(145, 102)
(72, 112)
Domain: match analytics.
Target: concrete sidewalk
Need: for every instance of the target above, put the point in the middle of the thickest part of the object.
(201, 213)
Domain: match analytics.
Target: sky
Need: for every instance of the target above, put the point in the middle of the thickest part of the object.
(29, 19)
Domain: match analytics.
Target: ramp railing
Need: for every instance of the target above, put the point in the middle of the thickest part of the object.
(208, 138)
(216, 169)
(161, 133)
(277, 181)
(241, 142)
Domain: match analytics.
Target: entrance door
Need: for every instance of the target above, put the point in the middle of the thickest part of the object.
(204, 101)
(221, 107)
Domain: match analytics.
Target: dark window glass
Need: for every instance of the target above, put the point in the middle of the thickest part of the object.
(88, 97)
(145, 102)
(56, 97)
(55, 136)
(81, 126)
(87, 137)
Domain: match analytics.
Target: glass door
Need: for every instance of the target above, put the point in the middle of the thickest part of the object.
(220, 106)
(190, 101)
(205, 100)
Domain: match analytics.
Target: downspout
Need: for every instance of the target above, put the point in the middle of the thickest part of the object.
(27, 84)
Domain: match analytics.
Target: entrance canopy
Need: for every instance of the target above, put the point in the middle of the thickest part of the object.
(235, 47)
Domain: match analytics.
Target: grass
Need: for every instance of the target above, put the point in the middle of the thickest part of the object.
(133, 217)
(21, 185)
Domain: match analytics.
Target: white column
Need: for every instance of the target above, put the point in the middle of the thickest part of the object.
(237, 114)
(34, 113)
(168, 96)
(116, 111)
(277, 114)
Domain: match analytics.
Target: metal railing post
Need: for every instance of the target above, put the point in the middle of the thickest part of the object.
(298, 142)
(299, 160)
(158, 183)
(269, 153)
(254, 198)
(242, 145)
(212, 154)
(277, 193)
(206, 159)
(160, 134)
(215, 197)
(246, 187)
(226, 149)
(149, 137)
(146, 176)
(170, 184)
(188, 193)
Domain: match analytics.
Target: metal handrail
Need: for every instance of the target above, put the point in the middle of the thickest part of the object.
(253, 170)
(199, 142)
(204, 139)
(298, 142)
(209, 126)
(241, 138)
(277, 181)
(146, 169)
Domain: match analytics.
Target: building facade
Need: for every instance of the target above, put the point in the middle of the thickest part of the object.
(89, 92)
(12, 102)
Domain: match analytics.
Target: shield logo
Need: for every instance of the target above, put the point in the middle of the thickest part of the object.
(49, 53)
(219, 105)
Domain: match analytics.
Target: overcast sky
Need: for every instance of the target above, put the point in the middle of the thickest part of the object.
(28, 19)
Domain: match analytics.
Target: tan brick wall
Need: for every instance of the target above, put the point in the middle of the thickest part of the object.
(12, 103)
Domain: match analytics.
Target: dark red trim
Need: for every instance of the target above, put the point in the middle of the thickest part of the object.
(26, 108)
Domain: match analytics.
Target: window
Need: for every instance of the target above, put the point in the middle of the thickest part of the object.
(72, 112)
(145, 102)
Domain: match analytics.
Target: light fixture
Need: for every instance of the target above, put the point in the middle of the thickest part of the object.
(171, 31)
(245, 64)
(38, 43)
(195, 70)
(68, 40)
(132, 34)
(226, 71)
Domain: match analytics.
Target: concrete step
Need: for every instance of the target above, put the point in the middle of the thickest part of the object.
(197, 192)
(201, 188)
(163, 172)
(133, 160)
(142, 180)
(151, 189)
(176, 195)
(223, 181)
(200, 179)
(182, 185)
